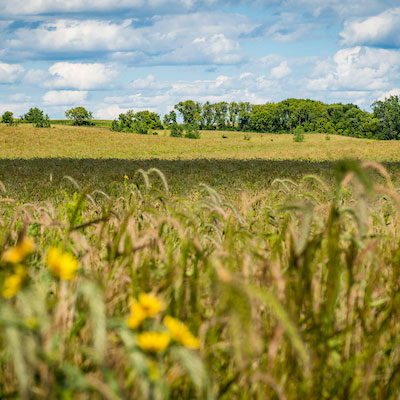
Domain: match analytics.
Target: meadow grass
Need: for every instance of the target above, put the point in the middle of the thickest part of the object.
(285, 272)
(60, 141)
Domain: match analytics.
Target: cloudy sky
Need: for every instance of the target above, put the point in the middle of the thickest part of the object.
(115, 55)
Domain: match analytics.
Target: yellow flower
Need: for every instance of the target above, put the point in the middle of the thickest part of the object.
(150, 304)
(138, 315)
(62, 265)
(16, 254)
(12, 285)
(155, 342)
(181, 333)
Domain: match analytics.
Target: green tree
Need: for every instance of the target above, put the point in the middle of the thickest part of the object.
(79, 116)
(7, 118)
(170, 118)
(37, 117)
(190, 111)
(388, 114)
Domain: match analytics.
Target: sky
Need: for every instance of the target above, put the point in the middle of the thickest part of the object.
(113, 55)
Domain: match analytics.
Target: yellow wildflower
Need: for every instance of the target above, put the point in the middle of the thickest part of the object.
(150, 304)
(181, 333)
(12, 285)
(138, 315)
(16, 254)
(155, 342)
(62, 265)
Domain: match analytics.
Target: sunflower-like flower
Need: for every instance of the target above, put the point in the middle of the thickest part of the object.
(62, 265)
(181, 333)
(153, 342)
(19, 252)
(150, 304)
(137, 316)
(12, 285)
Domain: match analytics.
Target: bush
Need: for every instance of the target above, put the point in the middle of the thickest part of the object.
(192, 132)
(7, 118)
(79, 116)
(43, 123)
(298, 134)
(176, 130)
(116, 126)
(140, 127)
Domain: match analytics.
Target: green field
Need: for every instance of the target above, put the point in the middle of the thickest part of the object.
(281, 259)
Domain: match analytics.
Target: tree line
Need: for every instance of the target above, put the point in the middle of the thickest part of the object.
(288, 116)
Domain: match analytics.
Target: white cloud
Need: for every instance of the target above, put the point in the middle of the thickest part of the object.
(197, 38)
(358, 68)
(110, 112)
(9, 73)
(34, 7)
(63, 97)
(393, 92)
(80, 76)
(382, 30)
(281, 70)
(35, 76)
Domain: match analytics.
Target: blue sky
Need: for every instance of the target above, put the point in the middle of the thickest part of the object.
(115, 55)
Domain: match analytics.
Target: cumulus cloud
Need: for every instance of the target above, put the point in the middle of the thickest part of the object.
(80, 76)
(281, 70)
(382, 30)
(196, 38)
(358, 68)
(64, 97)
(9, 73)
(393, 92)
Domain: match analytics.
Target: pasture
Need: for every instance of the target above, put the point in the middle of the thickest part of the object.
(277, 261)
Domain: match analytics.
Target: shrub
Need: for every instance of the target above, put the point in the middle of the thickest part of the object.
(140, 127)
(176, 130)
(7, 118)
(298, 134)
(192, 132)
(246, 136)
(116, 126)
(79, 116)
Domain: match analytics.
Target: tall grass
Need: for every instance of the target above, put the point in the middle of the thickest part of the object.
(292, 294)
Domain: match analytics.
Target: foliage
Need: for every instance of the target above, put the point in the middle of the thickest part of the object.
(176, 130)
(387, 113)
(192, 131)
(7, 118)
(293, 294)
(298, 134)
(141, 122)
(36, 117)
(79, 116)
(313, 116)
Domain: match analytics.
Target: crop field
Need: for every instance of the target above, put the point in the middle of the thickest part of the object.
(150, 267)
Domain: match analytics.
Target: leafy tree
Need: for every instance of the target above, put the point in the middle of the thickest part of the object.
(170, 118)
(37, 117)
(150, 119)
(140, 122)
(190, 111)
(7, 118)
(388, 114)
(79, 116)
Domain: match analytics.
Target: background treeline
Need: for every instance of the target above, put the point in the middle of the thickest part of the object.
(291, 114)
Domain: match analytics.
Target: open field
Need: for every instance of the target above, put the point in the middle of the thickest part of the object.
(26, 141)
(284, 271)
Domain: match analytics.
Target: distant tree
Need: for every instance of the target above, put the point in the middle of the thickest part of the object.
(170, 118)
(37, 117)
(388, 114)
(7, 118)
(190, 111)
(79, 116)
